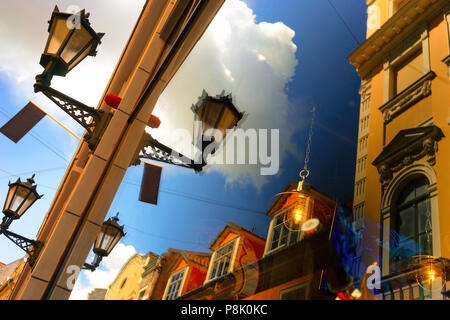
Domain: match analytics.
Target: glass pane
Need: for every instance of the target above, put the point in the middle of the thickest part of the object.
(406, 249)
(81, 57)
(9, 197)
(79, 39)
(279, 220)
(407, 194)
(213, 273)
(421, 187)
(425, 245)
(293, 237)
(58, 33)
(422, 212)
(28, 202)
(108, 238)
(284, 236)
(276, 234)
(116, 239)
(19, 197)
(406, 222)
(220, 269)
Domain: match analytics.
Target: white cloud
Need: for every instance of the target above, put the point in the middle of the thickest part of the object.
(23, 28)
(105, 274)
(254, 61)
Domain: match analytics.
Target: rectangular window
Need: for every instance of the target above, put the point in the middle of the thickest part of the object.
(221, 264)
(283, 232)
(408, 71)
(297, 292)
(174, 286)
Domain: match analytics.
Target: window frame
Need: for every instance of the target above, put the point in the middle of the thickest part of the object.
(419, 40)
(395, 218)
(235, 243)
(305, 284)
(182, 280)
(269, 241)
(411, 171)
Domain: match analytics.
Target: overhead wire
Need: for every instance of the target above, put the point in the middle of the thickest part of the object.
(39, 139)
(199, 198)
(344, 22)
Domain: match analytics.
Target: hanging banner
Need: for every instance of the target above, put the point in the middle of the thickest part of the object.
(16, 128)
(150, 183)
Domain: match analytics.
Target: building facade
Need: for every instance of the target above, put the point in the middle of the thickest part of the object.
(402, 174)
(97, 294)
(126, 285)
(8, 277)
(179, 271)
(292, 264)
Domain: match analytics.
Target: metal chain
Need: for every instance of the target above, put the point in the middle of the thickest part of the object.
(305, 172)
(428, 226)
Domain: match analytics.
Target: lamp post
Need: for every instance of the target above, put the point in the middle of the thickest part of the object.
(211, 114)
(108, 237)
(71, 39)
(21, 196)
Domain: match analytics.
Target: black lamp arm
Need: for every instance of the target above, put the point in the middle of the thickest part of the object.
(31, 247)
(160, 152)
(91, 119)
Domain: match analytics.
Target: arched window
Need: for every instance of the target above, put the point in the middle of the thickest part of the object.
(410, 223)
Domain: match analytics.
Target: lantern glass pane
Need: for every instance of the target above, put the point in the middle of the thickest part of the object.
(81, 56)
(58, 33)
(28, 202)
(19, 198)
(116, 239)
(9, 197)
(79, 39)
(107, 239)
(210, 113)
(227, 121)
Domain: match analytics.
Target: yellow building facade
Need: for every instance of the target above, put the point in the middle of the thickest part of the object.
(8, 277)
(402, 177)
(126, 285)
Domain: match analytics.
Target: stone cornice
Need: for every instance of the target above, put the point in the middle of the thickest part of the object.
(397, 154)
(372, 51)
(408, 97)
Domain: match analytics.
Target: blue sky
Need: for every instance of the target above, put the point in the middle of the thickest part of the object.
(189, 213)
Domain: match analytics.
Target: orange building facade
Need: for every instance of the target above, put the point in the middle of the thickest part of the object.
(402, 174)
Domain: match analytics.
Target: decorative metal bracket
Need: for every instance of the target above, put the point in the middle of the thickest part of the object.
(152, 149)
(91, 119)
(31, 247)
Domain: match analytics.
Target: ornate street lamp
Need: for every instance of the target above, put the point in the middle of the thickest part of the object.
(20, 197)
(108, 237)
(217, 113)
(214, 113)
(71, 39)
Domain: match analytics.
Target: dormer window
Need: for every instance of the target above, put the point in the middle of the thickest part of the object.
(283, 232)
(175, 284)
(222, 260)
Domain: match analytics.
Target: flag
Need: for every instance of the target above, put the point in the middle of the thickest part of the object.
(150, 183)
(22, 122)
